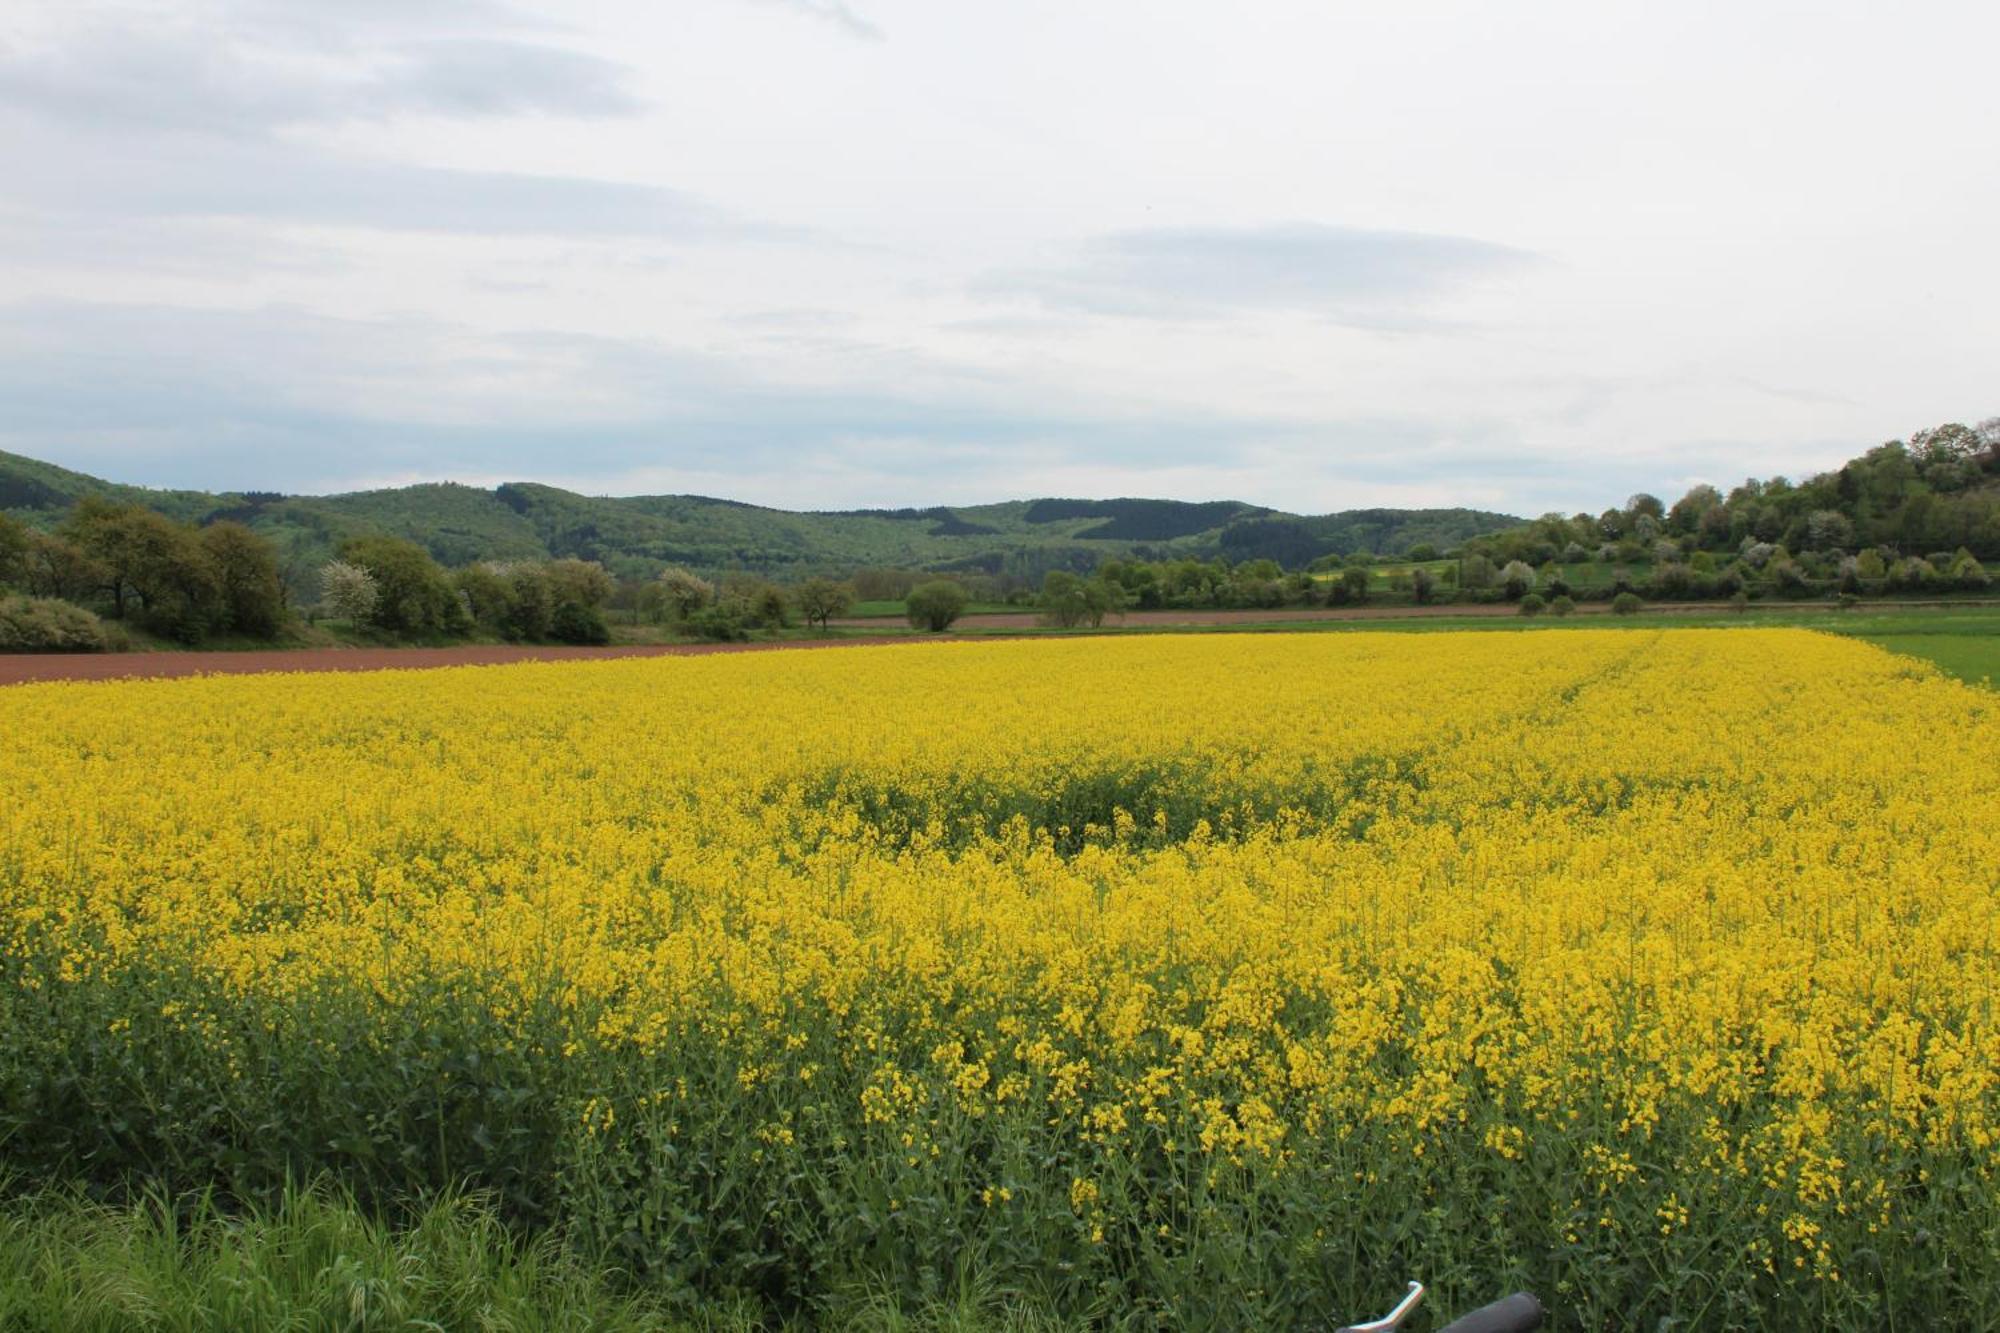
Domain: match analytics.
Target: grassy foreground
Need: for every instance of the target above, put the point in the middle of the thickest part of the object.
(314, 1260)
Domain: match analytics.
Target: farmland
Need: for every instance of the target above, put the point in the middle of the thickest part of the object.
(1223, 978)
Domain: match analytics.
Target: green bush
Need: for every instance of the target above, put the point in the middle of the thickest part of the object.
(757, 602)
(934, 606)
(1068, 601)
(1563, 606)
(1626, 604)
(1532, 604)
(1516, 579)
(413, 595)
(45, 625)
(720, 624)
(487, 594)
(573, 622)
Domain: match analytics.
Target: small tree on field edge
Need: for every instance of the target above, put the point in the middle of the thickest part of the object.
(1517, 579)
(934, 606)
(685, 591)
(1068, 601)
(347, 591)
(820, 600)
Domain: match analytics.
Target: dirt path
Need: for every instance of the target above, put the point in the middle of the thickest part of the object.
(19, 668)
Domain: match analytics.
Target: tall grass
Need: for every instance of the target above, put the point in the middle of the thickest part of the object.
(311, 1261)
(315, 1260)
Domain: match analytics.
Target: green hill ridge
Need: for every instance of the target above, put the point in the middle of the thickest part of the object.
(636, 536)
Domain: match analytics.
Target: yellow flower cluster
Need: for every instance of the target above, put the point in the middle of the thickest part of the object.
(1232, 897)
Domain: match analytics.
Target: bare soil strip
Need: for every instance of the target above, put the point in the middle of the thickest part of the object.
(16, 669)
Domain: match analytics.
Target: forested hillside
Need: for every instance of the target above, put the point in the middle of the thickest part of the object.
(638, 536)
(1930, 496)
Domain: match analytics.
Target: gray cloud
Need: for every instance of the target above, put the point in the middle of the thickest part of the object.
(245, 83)
(43, 239)
(497, 78)
(288, 398)
(179, 178)
(284, 399)
(116, 129)
(1351, 275)
(115, 77)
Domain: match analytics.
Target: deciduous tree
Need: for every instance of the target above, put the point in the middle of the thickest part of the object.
(347, 592)
(246, 575)
(820, 600)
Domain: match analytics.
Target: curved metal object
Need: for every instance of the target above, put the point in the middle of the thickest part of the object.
(1394, 1319)
(1519, 1313)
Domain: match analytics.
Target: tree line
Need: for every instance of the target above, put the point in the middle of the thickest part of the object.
(1939, 491)
(1916, 516)
(109, 569)
(137, 567)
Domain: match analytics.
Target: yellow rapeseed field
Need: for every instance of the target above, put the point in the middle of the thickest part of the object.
(1227, 978)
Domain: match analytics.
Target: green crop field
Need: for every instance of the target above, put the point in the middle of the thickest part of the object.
(1963, 641)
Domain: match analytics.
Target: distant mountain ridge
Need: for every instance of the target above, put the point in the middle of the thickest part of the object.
(636, 536)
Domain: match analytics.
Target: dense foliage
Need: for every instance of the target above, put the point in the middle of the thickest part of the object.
(45, 625)
(934, 606)
(1331, 960)
(133, 563)
(1068, 601)
(1938, 492)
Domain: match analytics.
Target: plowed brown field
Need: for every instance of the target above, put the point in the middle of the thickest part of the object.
(20, 668)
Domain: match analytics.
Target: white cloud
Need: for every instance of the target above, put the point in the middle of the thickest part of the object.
(1347, 274)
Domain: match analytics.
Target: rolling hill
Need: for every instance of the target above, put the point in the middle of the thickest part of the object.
(636, 536)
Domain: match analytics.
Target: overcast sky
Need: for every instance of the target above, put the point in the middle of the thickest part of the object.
(822, 253)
